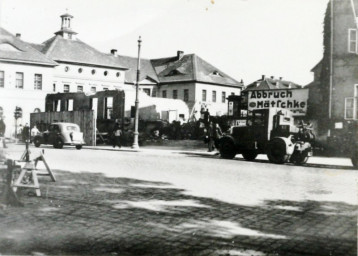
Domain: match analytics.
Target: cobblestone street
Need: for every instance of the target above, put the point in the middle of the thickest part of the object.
(86, 213)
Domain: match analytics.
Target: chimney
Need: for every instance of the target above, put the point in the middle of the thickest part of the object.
(114, 52)
(263, 77)
(180, 54)
(18, 35)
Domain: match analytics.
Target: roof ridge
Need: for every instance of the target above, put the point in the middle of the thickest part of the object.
(52, 45)
(217, 69)
(126, 56)
(195, 67)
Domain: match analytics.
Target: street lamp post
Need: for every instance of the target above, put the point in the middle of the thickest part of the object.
(136, 121)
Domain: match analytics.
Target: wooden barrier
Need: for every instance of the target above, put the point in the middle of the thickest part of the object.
(84, 118)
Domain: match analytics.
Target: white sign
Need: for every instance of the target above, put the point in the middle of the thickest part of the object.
(239, 123)
(293, 99)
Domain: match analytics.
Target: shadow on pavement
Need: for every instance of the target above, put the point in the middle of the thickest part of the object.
(90, 214)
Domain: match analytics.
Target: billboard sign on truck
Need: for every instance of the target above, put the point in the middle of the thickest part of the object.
(293, 99)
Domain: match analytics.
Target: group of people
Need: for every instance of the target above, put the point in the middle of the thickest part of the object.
(212, 129)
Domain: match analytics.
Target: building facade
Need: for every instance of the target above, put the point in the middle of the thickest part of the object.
(186, 77)
(25, 79)
(334, 91)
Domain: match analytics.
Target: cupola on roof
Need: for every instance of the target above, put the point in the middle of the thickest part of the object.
(66, 31)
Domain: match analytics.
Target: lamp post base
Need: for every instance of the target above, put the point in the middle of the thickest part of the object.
(135, 146)
(135, 141)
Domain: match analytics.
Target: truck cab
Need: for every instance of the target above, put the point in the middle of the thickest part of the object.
(268, 131)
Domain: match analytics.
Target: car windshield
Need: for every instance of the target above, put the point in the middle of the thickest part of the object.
(72, 128)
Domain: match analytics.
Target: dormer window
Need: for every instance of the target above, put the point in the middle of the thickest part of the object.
(174, 72)
(216, 73)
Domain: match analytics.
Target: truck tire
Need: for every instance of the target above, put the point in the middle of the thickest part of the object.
(37, 142)
(249, 155)
(299, 158)
(227, 149)
(276, 151)
(78, 147)
(58, 143)
(354, 159)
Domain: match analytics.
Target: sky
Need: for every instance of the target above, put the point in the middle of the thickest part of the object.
(243, 38)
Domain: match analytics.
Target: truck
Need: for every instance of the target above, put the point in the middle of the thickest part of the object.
(268, 131)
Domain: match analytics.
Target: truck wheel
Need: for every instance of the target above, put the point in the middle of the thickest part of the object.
(78, 147)
(249, 155)
(58, 143)
(37, 142)
(299, 158)
(354, 160)
(276, 151)
(227, 149)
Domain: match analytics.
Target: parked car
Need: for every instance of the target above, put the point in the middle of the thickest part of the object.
(60, 134)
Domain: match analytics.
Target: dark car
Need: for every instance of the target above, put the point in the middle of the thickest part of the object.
(60, 134)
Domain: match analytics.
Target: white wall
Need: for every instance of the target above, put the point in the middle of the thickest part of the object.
(27, 98)
(195, 95)
(217, 108)
(86, 79)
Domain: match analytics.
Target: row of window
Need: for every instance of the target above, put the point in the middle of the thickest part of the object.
(203, 97)
(67, 88)
(93, 71)
(19, 80)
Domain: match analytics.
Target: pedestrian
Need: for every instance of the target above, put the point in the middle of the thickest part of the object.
(210, 135)
(2, 127)
(217, 135)
(25, 132)
(2, 133)
(34, 132)
(117, 132)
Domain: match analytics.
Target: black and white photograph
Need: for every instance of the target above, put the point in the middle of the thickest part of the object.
(179, 127)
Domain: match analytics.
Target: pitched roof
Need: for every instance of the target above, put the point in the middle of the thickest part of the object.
(14, 49)
(76, 51)
(146, 69)
(271, 84)
(190, 67)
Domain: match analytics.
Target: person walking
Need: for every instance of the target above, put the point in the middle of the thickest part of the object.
(217, 135)
(117, 132)
(2, 132)
(34, 132)
(210, 134)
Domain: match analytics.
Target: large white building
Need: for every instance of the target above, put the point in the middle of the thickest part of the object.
(26, 76)
(81, 68)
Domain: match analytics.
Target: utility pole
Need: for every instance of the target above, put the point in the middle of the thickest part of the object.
(136, 120)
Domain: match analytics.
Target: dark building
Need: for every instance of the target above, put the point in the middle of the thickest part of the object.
(334, 91)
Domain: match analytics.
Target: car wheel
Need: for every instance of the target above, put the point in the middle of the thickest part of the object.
(37, 142)
(227, 149)
(249, 155)
(78, 147)
(276, 151)
(58, 143)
